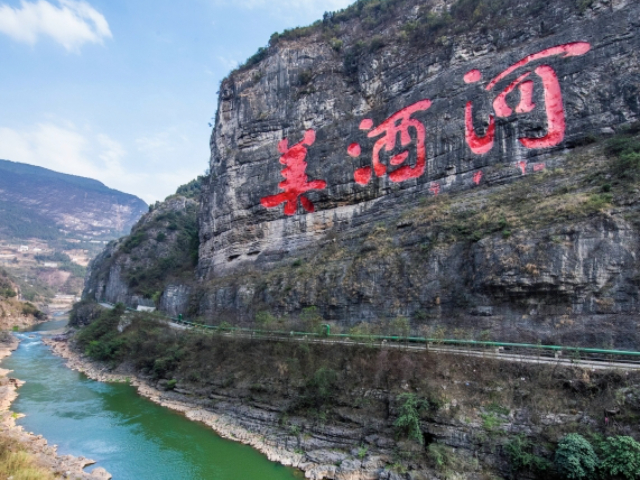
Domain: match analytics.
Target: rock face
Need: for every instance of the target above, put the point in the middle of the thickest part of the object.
(303, 85)
(448, 162)
(37, 202)
(154, 266)
(458, 116)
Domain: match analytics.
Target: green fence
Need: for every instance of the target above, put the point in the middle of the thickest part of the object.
(529, 348)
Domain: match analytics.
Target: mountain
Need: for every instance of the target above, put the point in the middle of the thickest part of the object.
(39, 203)
(466, 168)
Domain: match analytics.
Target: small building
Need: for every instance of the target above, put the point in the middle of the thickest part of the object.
(50, 264)
(145, 309)
(23, 248)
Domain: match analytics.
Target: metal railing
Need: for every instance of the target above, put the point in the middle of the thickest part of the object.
(529, 349)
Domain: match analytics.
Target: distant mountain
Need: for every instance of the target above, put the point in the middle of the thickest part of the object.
(36, 202)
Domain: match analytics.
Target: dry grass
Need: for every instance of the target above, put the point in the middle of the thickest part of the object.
(17, 464)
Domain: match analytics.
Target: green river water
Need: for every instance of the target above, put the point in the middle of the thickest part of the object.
(126, 434)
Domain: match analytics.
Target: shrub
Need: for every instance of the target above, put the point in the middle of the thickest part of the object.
(256, 58)
(400, 326)
(519, 450)
(193, 188)
(575, 458)
(265, 320)
(84, 312)
(336, 44)
(620, 458)
(305, 77)
(30, 309)
(625, 150)
(408, 422)
(320, 389)
(445, 460)
(311, 319)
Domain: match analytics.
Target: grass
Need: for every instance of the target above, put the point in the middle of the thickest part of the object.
(17, 464)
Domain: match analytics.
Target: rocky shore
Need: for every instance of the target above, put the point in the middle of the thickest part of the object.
(63, 466)
(267, 438)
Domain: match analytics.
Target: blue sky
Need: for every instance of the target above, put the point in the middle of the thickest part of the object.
(122, 91)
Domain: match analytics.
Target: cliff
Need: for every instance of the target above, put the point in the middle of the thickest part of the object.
(468, 166)
(155, 265)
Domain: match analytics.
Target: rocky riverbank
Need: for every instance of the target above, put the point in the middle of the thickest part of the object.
(267, 437)
(63, 466)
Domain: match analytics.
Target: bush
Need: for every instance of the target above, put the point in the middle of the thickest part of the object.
(305, 77)
(98, 339)
(625, 151)
(193, 188)
(311, 319)
(265, 320)
(408, 422)
(30, 309)
(320, 389)
(620, 458)
(575, 458)
(519, 450)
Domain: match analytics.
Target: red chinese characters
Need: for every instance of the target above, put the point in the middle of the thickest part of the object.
(399, 124)
(552, 95)
(295, 184)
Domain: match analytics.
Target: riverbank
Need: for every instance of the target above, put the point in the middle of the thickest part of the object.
(266, 436)
(43, 454)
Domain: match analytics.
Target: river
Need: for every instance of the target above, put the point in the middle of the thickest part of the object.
(128, 435)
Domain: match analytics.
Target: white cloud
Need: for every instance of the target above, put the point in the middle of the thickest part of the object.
(64, 149)
(162, 161)
(72, 23)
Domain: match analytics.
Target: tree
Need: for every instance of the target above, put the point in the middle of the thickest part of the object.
(408, 422)
(575, 458)
(620, 458)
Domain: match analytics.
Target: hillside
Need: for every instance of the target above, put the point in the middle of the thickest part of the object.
(467, 167)
(52, 225)
(155, 265)
(14, 313)
(37, 202)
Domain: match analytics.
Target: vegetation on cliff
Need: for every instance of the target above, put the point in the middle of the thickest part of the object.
(516, 418)
(421, 25)
(162, 248)
(517, 226)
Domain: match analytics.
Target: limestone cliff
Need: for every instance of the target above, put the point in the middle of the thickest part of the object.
(155, 265)
(476, 226)
(449, 162)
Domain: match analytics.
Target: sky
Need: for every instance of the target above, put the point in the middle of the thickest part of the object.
(124, 91)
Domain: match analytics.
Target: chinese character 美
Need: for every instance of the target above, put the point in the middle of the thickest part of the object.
(295, 184)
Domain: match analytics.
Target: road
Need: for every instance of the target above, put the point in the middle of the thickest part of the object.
(493, 353)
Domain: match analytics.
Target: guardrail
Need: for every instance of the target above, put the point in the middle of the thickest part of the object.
(578, 353)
